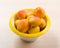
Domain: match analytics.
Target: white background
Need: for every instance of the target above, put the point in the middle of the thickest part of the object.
(10, 40)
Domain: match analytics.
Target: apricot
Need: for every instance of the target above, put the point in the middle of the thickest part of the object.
(21, 14)
(43, 23)
(34, 30)
(22, 25)
(39, 12)
(34, 21)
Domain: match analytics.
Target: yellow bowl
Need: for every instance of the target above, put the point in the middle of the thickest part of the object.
(29, 35)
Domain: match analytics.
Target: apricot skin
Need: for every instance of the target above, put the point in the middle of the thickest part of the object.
(22, 25)
(39, 12)
(34, 21)
(34, 30)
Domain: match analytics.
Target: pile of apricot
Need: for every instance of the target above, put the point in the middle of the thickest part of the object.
(30, 20)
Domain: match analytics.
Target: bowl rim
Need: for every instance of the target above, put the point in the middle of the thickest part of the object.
(29, 35)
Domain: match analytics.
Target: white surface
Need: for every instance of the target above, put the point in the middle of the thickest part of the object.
(10, 40)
